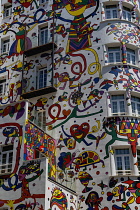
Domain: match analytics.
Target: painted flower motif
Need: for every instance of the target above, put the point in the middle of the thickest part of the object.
(61, 176)
(70, 174)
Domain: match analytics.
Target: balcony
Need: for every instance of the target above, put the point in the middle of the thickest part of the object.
(35, 93)
(39, 49)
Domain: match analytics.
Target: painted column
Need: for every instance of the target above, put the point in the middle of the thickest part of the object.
(124, 59)
(108, 104)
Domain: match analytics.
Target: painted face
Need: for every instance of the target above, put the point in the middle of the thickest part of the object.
(78, 132)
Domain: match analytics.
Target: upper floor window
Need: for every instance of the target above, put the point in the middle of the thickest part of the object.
(5, 45)
(7, 10)
(135, 103)
(130, 56)
(2, 86)
(117, 104)
(122, 161)
(126, 13)
(6, 157)
(40, 119)
(111, 11)
(114, 54)
(43, 35)
(42, 78)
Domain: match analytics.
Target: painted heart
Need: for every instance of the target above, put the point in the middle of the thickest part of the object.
(79, 132)
(66, 112)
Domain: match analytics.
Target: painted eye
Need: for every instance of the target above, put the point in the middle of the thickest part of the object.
(74, 129)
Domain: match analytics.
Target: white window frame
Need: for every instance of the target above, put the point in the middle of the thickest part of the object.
(43, 35)
(117, 102)
(5, 45)
(126, 13)
(135, 105)
(109, 11)
(6, 163)
(40, 119)
(42, 78)
(7, 10)
(121, 158)
(2, 86)
(114, 54)
(131, 56)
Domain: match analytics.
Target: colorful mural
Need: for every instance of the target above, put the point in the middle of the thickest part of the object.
(70, 165)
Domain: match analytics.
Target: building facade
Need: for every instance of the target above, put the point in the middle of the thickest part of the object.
(70, 105)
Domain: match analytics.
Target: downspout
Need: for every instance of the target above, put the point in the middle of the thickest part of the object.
(23, 61)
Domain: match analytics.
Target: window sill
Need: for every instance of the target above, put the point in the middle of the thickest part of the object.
(121, 64)
(134, 175)
(118, 19)
(123, 115)
(38, 92)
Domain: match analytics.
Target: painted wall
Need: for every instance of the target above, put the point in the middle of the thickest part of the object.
(76, 115)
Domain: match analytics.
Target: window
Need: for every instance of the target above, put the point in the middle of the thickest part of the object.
(40, 119)
(5, 45)
(38, 154)
(114, 54)
(42, 78)
(6, 157)
(122, 161)
(130, 56)
(117, 104)
(7, 10)
(111, 12)
(43, 35)
(135, 103)
(138, 159)
(2, 86)
(126, 13)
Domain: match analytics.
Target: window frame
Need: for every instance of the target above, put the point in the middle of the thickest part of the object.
(3, 85)
(43, 30)
(114, 51)
(111, 8)
(7, 8)
(123, 171)
(42, 78)
(5, 43)
(40, 121)
(127, 12)
(134, 105)
(132, 54)
(117, 100)
(8, 162)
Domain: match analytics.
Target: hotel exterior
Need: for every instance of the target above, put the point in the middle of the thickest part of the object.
(69, 105)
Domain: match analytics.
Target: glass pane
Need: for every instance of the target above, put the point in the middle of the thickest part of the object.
(114, 107)
(133, 107)
(114, 13)
(127, 163)
(117, 54)
(133, 59)
(111, 58)
(122, 108)
(119, 163)
(124, 14)
(128, 58)
(138, 108)
(108, 14)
